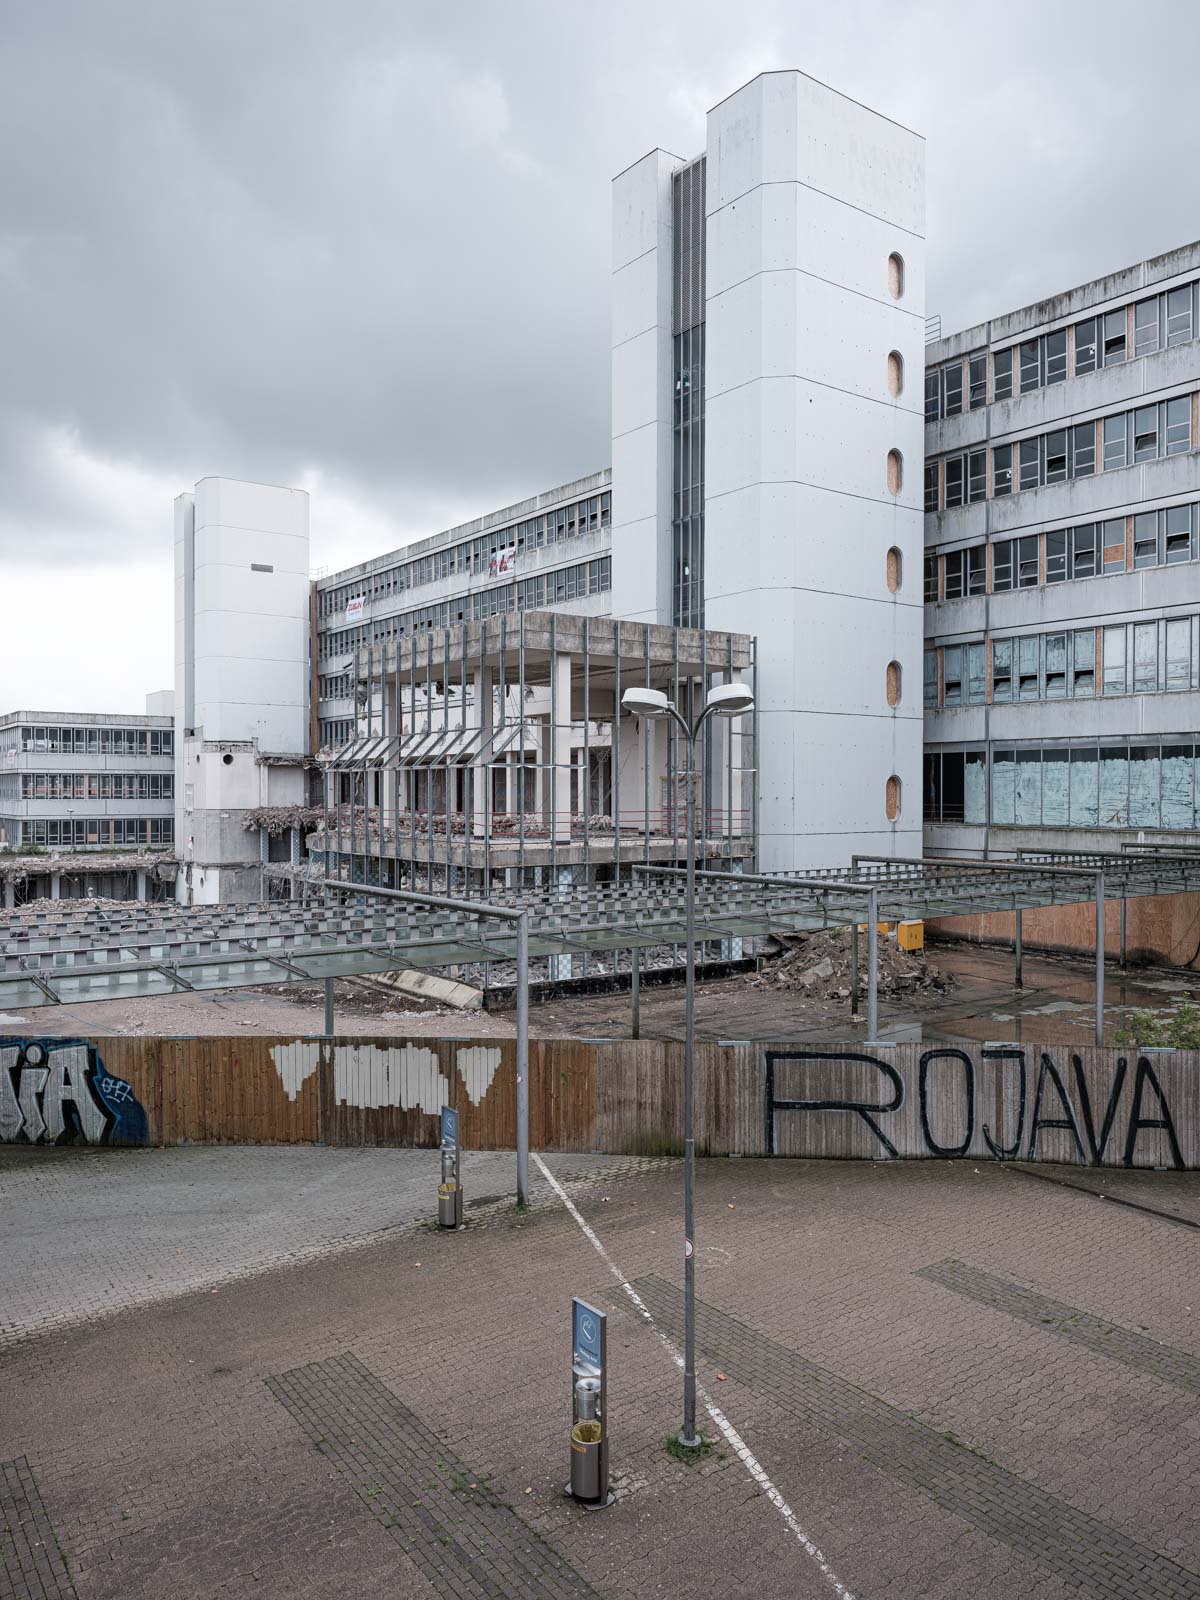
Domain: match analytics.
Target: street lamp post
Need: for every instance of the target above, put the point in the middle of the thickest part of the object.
(726, 700)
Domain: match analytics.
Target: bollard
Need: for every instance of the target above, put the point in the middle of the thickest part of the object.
(589, 1394)
(450, 1190)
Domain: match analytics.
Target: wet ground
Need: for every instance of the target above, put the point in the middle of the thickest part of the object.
(1055, 1006)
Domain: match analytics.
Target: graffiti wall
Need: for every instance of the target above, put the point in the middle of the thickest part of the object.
(906, 1102)
(59, 1092)
(998, 1102)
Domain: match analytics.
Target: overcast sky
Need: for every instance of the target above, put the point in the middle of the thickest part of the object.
(363, 248)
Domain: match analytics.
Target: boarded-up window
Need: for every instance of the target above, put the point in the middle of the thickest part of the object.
(895, 369)
(895, 569)
(893, 683)
(895, 471)
(893, 798)
(895, 275)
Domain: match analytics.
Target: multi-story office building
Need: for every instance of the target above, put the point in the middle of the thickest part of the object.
(761, 520)
(98, 789)
(553, 550)
(1062, 584)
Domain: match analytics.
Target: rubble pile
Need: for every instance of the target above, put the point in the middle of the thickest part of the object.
(819, 963)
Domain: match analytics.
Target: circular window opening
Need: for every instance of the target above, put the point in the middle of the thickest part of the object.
(892, 800)
(895, 569)
(895, 471)
(895, 275)
(895, 372)
(893, 683)
(227, 758)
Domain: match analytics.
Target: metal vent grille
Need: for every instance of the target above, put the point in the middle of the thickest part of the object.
(687, 219)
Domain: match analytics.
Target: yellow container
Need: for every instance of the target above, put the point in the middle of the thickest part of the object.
(911, 935)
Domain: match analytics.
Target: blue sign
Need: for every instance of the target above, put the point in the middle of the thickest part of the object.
(587, 1337)
(449, 1128)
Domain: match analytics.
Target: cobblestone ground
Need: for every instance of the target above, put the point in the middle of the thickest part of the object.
(958, 1379)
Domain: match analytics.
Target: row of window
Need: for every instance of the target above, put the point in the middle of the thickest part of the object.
(487, 555)
(529, 594)
(1127, 783)
(336, 732)
(97, 786)
(90, 741)
(962, 383)
(1089, 549)
(1159, 657)
(333, 685)
(77, 833)
(1146, 433)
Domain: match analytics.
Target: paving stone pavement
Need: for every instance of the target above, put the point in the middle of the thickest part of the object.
(1107, 1339)
(164, 1222)
(1085, 1553)
(167, 1467)
(31, 1562)
(464, 1540)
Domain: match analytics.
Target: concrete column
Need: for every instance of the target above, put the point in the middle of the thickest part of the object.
(141, 883)
(559, 967)
(731, 949)
(10, 895)
(556, 751)
(55, 885)
(483, 683)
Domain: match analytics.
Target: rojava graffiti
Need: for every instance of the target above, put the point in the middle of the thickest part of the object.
(1027, 1094)
(58, 1092)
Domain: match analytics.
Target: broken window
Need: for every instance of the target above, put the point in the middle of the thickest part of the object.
(1085, 788)
(1002, 669)
(1114, 660)
(1085, 347)
(1083, 663)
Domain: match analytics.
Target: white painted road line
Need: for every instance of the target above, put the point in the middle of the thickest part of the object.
(734, 1439)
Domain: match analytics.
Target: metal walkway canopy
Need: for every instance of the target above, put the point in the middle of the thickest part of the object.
(59, 952)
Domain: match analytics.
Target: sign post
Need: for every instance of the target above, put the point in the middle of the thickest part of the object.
(450, 1191)
(589, 1406)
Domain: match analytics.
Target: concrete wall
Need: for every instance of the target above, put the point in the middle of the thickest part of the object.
(642, 388)
(251, 625)
(808, 196)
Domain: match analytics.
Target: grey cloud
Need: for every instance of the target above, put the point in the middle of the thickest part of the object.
(371, 240)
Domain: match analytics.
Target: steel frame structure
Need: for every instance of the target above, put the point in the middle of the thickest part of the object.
(52, 953)
(470, 740)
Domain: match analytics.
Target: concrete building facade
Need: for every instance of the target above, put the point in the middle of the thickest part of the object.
(1062, 569)
(768, 324)
(98, 788)
(552, 551)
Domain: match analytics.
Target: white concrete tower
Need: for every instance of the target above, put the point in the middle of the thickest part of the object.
(242, 630)
(814, 339)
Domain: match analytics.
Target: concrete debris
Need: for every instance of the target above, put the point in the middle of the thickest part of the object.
(819, 963)
(83, 863)
(278, 820)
